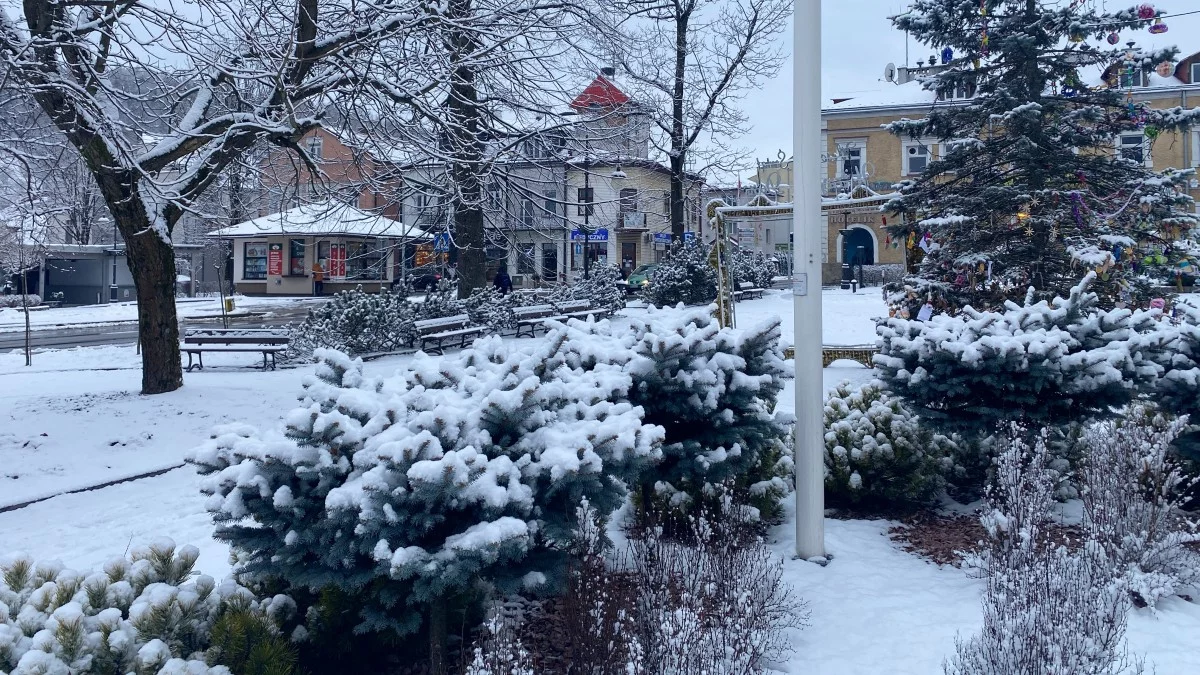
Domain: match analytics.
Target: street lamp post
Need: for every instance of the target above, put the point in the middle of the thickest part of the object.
(587, 206)
(806, 289)
(112, 282)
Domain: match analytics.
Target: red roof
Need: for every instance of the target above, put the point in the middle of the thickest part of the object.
(600, 93)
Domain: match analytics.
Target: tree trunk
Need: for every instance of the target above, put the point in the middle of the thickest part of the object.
(438, 633)
(467, 149)
(678, 155)
(152, 263)
(472, 261)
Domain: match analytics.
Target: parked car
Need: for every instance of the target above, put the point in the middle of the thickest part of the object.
(423, 278)
(640, 278)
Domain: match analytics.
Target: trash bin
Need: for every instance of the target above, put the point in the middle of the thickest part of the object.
(847, 275)
(228, 304)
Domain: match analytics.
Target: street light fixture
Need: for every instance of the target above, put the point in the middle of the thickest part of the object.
(112, 281)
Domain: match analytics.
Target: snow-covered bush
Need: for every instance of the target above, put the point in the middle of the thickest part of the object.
(500, 652)
(145, 614)
(31, 300)
(1047, 608)
(714, 392)
(1132, 496)
(1045, 363)
(754, 267)
(716, 604)
(356, 322)
(684, 275)
(602, 288)
(877, 454)
(406, 492)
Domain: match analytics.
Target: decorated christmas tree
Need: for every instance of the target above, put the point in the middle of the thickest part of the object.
(1027, 190)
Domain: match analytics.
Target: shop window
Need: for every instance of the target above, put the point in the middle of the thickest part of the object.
(365, 260)
(254, 260)
(525, 262)
(550, 262)
(296, 257)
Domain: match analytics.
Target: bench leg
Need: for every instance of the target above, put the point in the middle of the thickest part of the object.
(264, 361)
(189, 365)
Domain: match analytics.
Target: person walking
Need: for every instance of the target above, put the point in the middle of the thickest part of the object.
(318, 275)
(502, 282)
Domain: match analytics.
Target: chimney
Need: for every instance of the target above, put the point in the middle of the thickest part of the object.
(608, 72)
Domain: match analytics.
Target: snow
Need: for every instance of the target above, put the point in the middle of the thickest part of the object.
(121, 312)
(874, 607)
(322, 218)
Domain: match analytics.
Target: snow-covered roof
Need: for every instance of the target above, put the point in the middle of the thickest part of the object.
(909, 94)
(325, 218)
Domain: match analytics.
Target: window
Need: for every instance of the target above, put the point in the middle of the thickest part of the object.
(254, 260)
(296, 257)
(527, 212)
(525, 261)
(852, 158)
(586, 197)
(667, 204)
(552, 202)
(963, 89)
(1195, 78)
(1133, 148)
(365, 260)
(916, 158)
(550, 262)
(323, 255)
(1135, 77)
(628, 199)
(1196, 147)
(315, 146)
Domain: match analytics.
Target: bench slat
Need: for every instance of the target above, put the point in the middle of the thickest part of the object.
(234, 348)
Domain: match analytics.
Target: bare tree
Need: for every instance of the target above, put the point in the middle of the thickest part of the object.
(287, 64)
(692, 60)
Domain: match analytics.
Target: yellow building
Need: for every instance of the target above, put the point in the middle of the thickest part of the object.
(863, 161)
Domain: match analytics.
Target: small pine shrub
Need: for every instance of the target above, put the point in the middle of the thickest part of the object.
(754, 267)
(877, 453)
(248, 643)
(684, 276)
(356, 322)
(602, 288)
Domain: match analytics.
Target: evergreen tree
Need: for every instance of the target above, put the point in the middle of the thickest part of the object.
(356, 322)
(1027, 190)
(1048, 363)
(754, 267)
(684, 275)
(602, 288)
(409, 494)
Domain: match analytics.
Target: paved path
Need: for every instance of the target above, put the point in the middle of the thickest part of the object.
(126, 332)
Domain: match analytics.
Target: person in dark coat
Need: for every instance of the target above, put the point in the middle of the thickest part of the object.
(502, 282)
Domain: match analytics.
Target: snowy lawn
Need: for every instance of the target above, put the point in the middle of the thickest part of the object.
(188, 308)
(75, 419)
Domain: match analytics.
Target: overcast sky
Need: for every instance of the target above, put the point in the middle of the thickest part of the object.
(858, 41)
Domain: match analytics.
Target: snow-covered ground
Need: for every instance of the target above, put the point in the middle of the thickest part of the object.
(75, 419)
(90, 315)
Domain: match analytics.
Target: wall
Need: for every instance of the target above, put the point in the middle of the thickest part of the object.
(301, 284)
(345, 172)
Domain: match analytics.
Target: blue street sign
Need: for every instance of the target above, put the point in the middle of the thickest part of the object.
(596, 236)
(662, 237)
(441, 243)
(689, 236)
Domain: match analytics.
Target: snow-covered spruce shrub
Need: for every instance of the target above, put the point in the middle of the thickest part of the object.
(714, 391)
(601, 288)
(440, 301)
(684, 276)
(1132, 496)
(1044, 363)
(877, 454)
(754, 267)
(145, 614)
(714, 603)
(488, 307)
(31, 300)
(405, 492)
(1048, 609)
(356, 322)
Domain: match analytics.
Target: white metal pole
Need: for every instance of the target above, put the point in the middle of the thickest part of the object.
(806, 226)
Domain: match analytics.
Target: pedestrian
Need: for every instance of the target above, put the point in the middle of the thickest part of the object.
(452, 272)
(318, 275)
(502, 282)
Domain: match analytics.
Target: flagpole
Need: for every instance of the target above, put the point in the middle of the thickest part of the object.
(806, 289)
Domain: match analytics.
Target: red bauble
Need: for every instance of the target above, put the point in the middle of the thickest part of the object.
(1146, 11)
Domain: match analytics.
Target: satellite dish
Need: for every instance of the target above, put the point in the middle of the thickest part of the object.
(889, 72)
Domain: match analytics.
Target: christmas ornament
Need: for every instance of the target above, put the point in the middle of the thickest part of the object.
(1146, 11)
(1158, 27)
(948, 55)
(1165, 69)
(1151, 132)
(1075, 35)
(1113, 38)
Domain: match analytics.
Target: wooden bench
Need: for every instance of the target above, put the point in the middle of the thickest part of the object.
(579, 309)
(233, 340)
(830, 353)
(532, 317)
(747, 291)
(437, 332)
